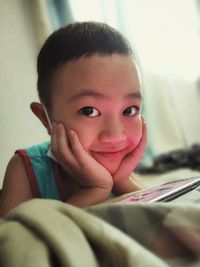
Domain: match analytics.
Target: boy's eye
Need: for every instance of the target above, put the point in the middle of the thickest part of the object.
(130, 111)
(89, 112)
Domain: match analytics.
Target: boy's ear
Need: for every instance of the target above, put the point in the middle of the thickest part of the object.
(38, 110)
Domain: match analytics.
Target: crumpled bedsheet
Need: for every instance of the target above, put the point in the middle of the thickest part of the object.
(44, 233)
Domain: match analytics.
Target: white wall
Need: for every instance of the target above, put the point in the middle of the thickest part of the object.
(18, 126)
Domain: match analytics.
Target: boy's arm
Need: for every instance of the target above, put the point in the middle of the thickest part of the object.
(86, 197)
(16, 188)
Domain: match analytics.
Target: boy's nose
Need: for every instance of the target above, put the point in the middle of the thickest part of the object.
(113, 132)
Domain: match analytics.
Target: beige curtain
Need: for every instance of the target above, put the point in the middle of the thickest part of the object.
(41, 20)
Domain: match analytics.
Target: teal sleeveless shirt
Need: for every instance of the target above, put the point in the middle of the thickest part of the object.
(40, 170)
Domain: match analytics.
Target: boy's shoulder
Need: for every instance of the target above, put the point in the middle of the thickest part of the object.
(38, 150)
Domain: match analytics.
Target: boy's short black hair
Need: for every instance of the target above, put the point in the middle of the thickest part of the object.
(72, 42)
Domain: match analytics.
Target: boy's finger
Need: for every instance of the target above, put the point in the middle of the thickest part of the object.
(130, 162)
(63, 151)
(79, 152)
(143, 140)
(53, 139)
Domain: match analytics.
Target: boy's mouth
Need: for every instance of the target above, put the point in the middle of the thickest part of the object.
(112, 154)
(114, 150)
(109, 153)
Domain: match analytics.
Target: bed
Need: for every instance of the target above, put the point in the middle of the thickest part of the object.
(50, 233)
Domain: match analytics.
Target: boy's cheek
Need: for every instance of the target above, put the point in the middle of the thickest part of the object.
(130, 149)
(135, 135)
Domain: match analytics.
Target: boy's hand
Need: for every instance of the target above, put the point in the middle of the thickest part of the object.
(83, 169)
(131, 160)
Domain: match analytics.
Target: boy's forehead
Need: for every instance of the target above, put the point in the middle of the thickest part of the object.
(90, 93)
(97, 63)
(97, 75)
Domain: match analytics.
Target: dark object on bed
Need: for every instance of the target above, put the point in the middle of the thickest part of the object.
(181, 158)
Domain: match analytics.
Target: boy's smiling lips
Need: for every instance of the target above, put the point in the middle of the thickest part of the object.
(111, 152)
(109, 157)
(108, 154)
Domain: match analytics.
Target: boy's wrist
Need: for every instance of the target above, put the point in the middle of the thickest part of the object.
(126, 186)
(88, 196)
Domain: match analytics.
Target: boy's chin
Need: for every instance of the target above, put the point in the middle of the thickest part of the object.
(111, 167)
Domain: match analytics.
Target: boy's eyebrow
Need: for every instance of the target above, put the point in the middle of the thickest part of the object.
(134, 95)
(94, 94)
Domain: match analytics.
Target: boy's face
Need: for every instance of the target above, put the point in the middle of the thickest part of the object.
(99, 97)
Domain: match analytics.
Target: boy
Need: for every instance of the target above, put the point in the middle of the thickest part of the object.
(89, 88)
